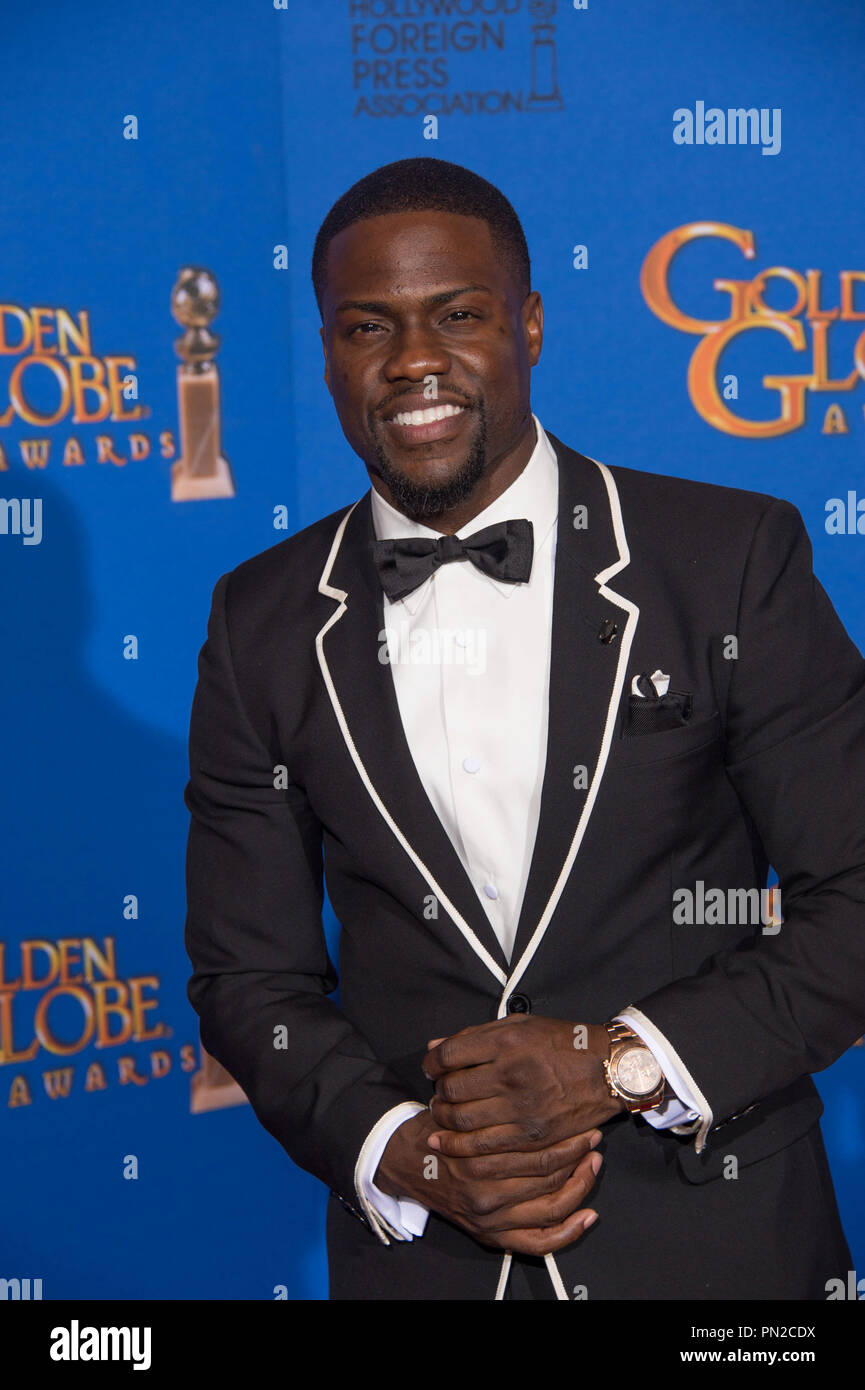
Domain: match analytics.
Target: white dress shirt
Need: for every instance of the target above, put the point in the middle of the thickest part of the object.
(470, 658)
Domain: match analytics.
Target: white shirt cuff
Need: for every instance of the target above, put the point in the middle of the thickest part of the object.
(400, 1216)
(687, 1112)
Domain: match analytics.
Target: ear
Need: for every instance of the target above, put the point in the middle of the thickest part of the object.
(533, 323)
(326, 365)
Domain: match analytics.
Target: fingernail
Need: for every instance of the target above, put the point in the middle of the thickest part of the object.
(590, 1220)
(595, 1163)
(434, 1141)
(595, 1140)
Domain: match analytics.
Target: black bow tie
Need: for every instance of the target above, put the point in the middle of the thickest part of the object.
(503, 551)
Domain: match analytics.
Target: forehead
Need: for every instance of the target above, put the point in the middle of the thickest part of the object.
(404, 255)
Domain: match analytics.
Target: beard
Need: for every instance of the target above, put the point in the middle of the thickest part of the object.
(420, 501)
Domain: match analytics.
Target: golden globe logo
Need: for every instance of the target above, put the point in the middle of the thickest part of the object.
(60, 997)
(749, 313)
(56, 377)
(89, 389)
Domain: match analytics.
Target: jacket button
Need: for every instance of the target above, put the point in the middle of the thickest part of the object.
(519, 1004)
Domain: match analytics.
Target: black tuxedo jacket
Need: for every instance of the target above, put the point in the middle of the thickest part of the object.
(300, 774)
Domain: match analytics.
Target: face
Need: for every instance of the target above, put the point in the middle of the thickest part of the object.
(420, 315)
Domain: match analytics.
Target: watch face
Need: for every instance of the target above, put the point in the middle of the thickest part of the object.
(637, 1071)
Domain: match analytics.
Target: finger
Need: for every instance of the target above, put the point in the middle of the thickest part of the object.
(423, 1066)
(464, 1033)
(467, 1048)
(549, 1239)
(452, 1053)
(553, 1208)
(491, 1113)
(538, 1163)
(518, 1203)
(492, 1204)
(469, 1083)
(458, 1140)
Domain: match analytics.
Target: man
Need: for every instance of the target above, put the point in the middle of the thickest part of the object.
(518, 703)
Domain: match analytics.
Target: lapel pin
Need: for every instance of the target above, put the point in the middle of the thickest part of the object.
(608, 631)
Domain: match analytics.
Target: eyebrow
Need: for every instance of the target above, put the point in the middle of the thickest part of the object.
(377, 306)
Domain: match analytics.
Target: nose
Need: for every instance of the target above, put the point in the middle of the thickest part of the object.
(415, 354)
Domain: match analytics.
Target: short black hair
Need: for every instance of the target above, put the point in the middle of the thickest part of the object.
(419, 185)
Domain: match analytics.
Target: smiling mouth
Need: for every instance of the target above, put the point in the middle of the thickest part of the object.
(434, 422)
(428, 415)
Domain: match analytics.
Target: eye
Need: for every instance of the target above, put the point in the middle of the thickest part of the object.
(362, 325)
(467, 312)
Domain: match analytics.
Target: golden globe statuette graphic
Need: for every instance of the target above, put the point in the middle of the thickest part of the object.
(545, 94)
(212, 1088)
(201, 472)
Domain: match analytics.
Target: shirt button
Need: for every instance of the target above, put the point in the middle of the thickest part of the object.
(519, 1004)
(462, 639)
(471, 764)
(491, 890)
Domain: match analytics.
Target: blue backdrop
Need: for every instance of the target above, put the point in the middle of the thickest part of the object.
(141, 139)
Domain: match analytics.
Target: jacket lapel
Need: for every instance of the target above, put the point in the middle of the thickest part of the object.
(363, 696)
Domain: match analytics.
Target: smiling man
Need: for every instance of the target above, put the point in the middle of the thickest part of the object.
(501, 841)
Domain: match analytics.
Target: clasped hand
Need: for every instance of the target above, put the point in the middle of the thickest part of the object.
(522, 1082)
(512, 1125)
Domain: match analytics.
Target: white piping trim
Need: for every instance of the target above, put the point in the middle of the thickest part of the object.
(621, 669)
(556, 1278)
(375, 1219)
(706, 1115)
(503, 1278)
(618, 524)
(552, 1269)
(324, 587)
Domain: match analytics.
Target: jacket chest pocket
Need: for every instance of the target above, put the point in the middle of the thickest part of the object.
(663, 744)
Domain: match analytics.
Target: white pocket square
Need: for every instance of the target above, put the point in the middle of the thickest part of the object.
(659, 680)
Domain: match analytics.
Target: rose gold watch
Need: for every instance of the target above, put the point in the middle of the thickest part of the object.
(632, 1071)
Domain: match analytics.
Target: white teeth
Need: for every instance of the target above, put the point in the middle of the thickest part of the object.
(426, 417)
